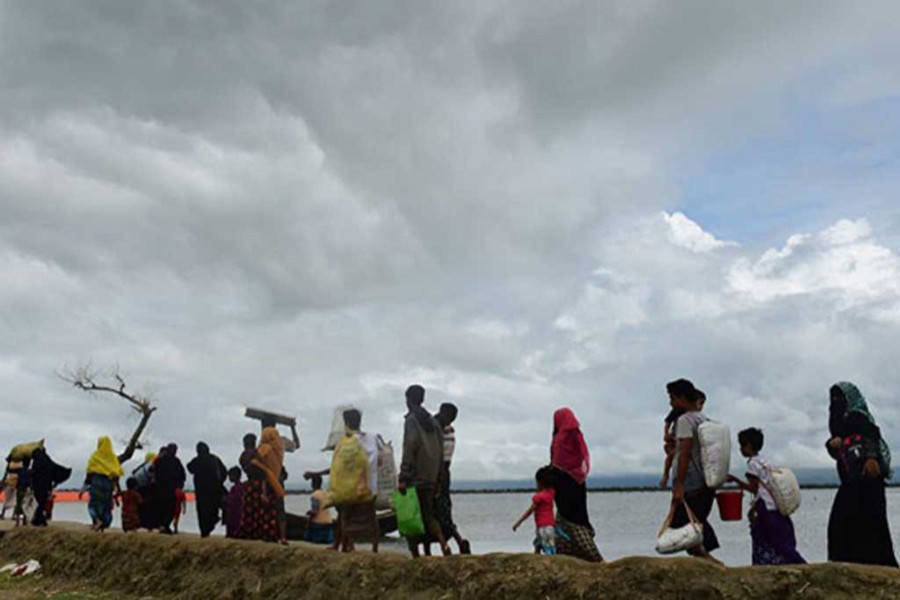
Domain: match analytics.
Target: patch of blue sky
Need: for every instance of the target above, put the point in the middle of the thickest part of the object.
(829, 162)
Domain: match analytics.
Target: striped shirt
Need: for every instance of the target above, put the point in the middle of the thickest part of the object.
(449, 443)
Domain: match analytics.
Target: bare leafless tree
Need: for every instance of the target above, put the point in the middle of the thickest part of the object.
(85, 378)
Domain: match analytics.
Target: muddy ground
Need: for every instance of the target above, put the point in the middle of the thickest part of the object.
(81, 564)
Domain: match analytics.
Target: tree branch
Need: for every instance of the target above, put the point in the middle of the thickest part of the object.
(84, 377)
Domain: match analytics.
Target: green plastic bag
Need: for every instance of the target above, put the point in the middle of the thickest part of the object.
(409, 513)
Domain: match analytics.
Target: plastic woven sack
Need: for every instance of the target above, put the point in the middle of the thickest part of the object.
(785, 490)
(348, 482)
(409, 513)
(338, 429)
(715, 452)
(387, 475)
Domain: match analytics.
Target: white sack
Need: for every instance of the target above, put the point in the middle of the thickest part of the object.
(785, 490)
(715, 452)
(387, 475)
(681, 539)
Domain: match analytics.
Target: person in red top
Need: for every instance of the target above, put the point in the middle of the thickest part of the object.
(180, 508)
(542, 508)
(131, 506)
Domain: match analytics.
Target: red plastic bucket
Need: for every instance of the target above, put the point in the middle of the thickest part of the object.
(730, 504)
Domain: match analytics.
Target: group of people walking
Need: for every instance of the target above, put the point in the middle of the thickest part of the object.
(858, 530)
(254, 508)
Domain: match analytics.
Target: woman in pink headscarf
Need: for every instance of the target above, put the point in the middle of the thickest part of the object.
(571, 461)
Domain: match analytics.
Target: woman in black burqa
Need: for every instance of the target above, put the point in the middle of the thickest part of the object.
(209, 484)
(858, 530)
(46, 475)
(170, 476)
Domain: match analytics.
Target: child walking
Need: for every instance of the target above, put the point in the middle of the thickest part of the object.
(772, 533)
(542, 509)
(131, 506)
(180, 508)
(234, 504)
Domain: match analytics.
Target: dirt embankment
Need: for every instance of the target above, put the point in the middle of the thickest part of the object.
(145, 565)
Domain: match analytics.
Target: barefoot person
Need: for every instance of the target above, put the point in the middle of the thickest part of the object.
(170, 477)
(209, 484)
(102, 483)
(443, 503)
(356, 520)
(571, 461)
(689, 484)
(423, 454)
(858, 529)
(771, 533)
(270, 459)
(542, 509)
(45, 475)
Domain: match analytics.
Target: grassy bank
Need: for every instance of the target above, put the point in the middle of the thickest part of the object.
(80, 564)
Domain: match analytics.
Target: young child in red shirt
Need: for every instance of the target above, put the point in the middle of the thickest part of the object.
(131, 506)
(542, 509)
(180, 508)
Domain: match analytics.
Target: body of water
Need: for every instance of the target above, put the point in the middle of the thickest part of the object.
(626, 523)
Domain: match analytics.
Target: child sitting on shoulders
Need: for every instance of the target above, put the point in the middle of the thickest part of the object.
(670, 443)
(131, 506)
(771, 533)
(542, 509)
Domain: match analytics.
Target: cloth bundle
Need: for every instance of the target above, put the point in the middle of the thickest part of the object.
(785, 490)
(671, 541)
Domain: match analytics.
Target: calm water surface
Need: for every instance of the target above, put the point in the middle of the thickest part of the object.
(626, 523)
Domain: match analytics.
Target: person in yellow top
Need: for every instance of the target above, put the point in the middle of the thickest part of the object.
(102, 481)
(321, 518)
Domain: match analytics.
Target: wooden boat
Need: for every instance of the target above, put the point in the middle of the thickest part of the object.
(297, 524)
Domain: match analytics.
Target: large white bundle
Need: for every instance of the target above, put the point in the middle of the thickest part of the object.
(670, 541)
(785, 490)
(387, 475)
(715, 452)
(681, 539)
(338, 430)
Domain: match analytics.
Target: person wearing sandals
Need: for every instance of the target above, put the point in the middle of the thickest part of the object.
(689, 487)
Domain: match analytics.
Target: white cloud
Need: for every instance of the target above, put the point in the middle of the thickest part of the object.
(688, 234)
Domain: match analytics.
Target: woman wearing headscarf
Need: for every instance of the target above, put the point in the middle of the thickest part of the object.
(209, 484)
(102, 481)
(45, 475)
(858, 529)
(145, 477)
(170, 476)
(263, 516)
(571, 461)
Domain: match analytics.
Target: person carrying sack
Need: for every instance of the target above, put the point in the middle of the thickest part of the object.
(692, 499)
(671, 540)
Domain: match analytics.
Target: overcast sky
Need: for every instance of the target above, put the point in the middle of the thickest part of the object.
(519, 205)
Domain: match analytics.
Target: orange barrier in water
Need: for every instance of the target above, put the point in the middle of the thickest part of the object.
(64, 496)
